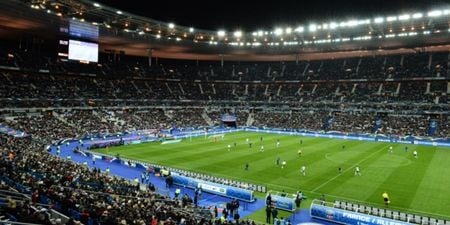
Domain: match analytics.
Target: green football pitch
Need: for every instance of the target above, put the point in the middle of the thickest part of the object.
(420, 185)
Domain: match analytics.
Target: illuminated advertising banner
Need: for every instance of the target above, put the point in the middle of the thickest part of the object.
(349, 217)
(215, 188)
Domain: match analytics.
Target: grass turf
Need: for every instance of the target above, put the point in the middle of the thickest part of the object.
(413, 184)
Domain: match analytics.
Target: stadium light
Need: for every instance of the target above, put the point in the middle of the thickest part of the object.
(191, 29)
(119, 12)
(237, 34)
(435, 13)
(352, 23)
(378, 20)
(171, 25)
(288, 30)
(260, 33)
(404, 17)
(333, 25)
(221, 33)
(299, 29)
(312, 28)
(391, 18)
(278, 31)
(97, 5)
(417, 15)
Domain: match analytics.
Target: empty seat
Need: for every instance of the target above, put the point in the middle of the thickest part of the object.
(402, 217)
(388, 213)
(342, 205)
(417, 219)
(336, 204)
(395, 215)
(440, 222)
(410, 218)
(382, 212)
(425, 220)
(432, 221)
(375, 211)
(360, 208)
(349, 206)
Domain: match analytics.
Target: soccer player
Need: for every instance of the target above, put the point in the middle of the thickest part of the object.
(415, 154)
(340, 170)
(390, 149)
(278, 161)
(278, 143)
(246, 166)
(303, 170)
(299, 153)
(406, 148)
(261, 149)
(247, 140)
(301, 141)
(386, 198)
(229, 147)
(283, 164)
(250, 145)
(357, 171)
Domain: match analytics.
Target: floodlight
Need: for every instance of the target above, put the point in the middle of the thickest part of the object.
(378, 20)
(278, 31)
(299, 29)
(417, 15)
(221, 33)
(404, 17)
(435, 13)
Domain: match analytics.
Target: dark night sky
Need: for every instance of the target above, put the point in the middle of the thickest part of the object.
(252, 15)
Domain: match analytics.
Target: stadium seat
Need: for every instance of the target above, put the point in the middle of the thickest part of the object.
(375, 212)
(417, 219)
(349, 206)
(432, 221)
(409, 217)
(336, 204)
(403, 216)
(395, 215)
(342, 206)
(440, 222)
(360, 208)
(368, 210)
(425, 220)
(382, 212)
(388, 214)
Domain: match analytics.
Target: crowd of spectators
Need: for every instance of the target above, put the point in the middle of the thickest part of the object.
(86, 195)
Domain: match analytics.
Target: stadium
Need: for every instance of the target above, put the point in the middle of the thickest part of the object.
(110, 116)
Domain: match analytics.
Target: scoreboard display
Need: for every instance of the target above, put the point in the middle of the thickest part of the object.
(78, 41)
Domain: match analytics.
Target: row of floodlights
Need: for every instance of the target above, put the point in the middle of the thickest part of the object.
(330, 40)
(300, 29)
(326, 26)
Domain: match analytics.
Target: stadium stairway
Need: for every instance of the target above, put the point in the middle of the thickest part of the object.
(207, 200)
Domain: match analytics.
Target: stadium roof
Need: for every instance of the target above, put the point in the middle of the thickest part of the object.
(135, 34)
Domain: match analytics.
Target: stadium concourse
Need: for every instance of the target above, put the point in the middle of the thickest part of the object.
(207, 201)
